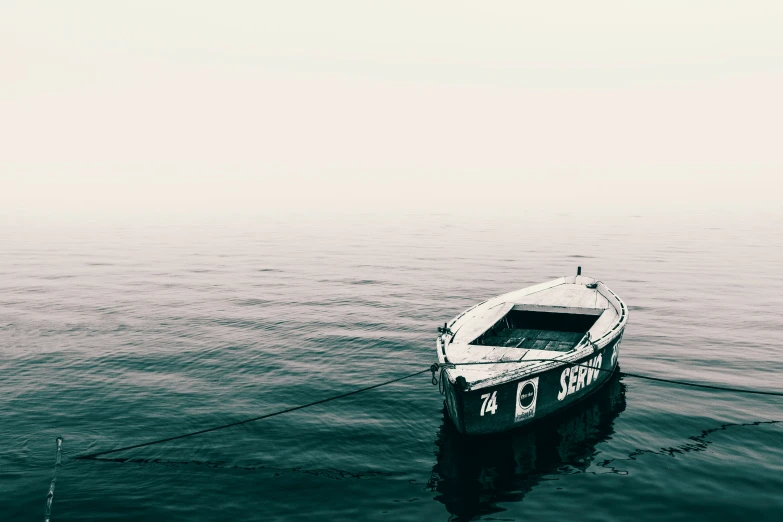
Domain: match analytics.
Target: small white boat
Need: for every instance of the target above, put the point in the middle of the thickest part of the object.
(526, 354)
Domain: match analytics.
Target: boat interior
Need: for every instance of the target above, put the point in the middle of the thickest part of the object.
(540, 328)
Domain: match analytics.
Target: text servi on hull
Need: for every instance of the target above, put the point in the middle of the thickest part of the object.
(526, 354)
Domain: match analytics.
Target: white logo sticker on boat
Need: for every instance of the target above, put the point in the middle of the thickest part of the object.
(574, 378)
(527, 395)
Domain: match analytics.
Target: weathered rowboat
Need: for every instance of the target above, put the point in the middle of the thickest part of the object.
(521, 356)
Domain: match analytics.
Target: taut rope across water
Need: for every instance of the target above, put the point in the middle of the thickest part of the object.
(434, 368)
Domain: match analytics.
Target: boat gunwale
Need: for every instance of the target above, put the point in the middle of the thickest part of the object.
(584, 347)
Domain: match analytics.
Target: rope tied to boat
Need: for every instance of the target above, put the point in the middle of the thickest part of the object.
(439, 380)
(459, 383)
(434, 368)
(460, 380)
(93, 456)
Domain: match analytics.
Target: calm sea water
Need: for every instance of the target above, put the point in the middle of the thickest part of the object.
(116, 334)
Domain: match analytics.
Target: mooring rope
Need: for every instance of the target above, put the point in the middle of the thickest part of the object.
(698, 385)
(260, 417)
(618, 372)
(434, 368)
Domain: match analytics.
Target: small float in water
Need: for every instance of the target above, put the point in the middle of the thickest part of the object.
(521, 356)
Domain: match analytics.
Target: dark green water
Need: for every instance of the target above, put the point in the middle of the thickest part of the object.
(112, 335)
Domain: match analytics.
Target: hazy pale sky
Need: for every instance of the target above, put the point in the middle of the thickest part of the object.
(211, 107)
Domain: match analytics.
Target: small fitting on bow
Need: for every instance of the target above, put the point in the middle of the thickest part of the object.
(445, 330)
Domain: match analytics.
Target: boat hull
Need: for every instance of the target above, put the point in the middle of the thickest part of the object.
(519, 402)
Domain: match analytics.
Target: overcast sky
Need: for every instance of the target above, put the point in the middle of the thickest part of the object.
(214, 107)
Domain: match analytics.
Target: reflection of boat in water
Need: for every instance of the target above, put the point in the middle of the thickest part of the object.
(473, 474)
